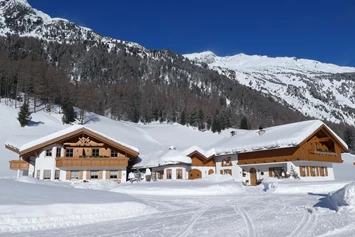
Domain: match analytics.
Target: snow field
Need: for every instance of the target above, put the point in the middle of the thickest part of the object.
(34, 205)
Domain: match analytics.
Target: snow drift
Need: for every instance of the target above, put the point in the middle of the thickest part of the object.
(344, 197)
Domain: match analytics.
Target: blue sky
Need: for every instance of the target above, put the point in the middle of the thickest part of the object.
(323, 30)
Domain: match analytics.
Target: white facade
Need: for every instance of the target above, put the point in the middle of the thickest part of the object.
(173, 168)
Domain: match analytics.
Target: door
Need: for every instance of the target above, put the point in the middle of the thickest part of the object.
(252, 177)
(195, 174)
(210, 172)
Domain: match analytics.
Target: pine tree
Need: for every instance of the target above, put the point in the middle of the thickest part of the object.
(294, 173)
(183, 118)
(201, 120)
(68, 112)
(215, 125)
(24, 115)
(244, 123)
(349, 138)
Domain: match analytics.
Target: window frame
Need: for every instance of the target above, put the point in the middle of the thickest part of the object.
(179, 174)
(69, 152)
(58, 152)
(114, 153)
(112, 175)
(46, 172)
(94, 150)
(94, 176)
(49, 153)
(73, 177)
(169, 173)
(55, 174)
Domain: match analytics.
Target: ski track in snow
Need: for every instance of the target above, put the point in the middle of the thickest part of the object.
(307, 224)
(192, 222)
(247, 220)
(150, 138)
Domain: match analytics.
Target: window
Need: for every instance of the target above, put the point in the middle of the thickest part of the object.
(168, 174)
(114, 153)
(38, 174)
(58, 152)
(95, 152)
(113, 174)
(94, 174)
(49, 152)
(47, 174)
(178, 173)
(69, 153)
(57, 174)
(74, 174)
(227, 171)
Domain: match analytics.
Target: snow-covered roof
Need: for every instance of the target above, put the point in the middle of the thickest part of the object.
(60, 133)
(192, 149)
(174, 157)
(282, 136)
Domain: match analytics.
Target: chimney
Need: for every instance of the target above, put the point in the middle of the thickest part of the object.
(261, 131)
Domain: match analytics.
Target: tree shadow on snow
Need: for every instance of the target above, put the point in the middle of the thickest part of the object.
(34, 123)
(323, 201)
(91, 118)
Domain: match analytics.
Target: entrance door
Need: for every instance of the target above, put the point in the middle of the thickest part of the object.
(195, 174)
(252, 172)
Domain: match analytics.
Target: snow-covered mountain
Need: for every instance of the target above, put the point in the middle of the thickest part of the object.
(321, 90)
(18, 17)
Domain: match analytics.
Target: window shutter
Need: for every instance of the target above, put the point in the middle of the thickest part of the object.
(221, 171)
(107, 174)
(68, 175)
(88, 174)
(230, 172)
(326, 171)
(119, 174)
(101, 174)
(80, 174)
(271, 172)
(309, 171)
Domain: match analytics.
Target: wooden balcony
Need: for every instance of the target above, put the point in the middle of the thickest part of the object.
(90, 162)
(19, 165)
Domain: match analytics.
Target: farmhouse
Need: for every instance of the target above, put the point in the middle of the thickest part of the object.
(306, 149)
(75, 153)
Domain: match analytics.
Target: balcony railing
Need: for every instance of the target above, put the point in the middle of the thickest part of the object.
(19, 165)
(90, 162)
(323, 153)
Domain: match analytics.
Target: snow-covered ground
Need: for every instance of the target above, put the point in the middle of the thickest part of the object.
(41, 208)
(214, 206)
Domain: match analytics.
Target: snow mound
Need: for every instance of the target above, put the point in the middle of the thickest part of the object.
(292, 186)
(344, 197)
(182, 188)
(215, 178)
(27, 179)
(39, 217)
(96, 185)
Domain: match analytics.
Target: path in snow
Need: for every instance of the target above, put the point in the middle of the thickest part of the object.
(252, 214)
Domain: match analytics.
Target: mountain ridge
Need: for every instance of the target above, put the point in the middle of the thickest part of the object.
(320, 90)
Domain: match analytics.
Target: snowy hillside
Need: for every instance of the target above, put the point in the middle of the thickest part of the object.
(151, 140)
(315, 89)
